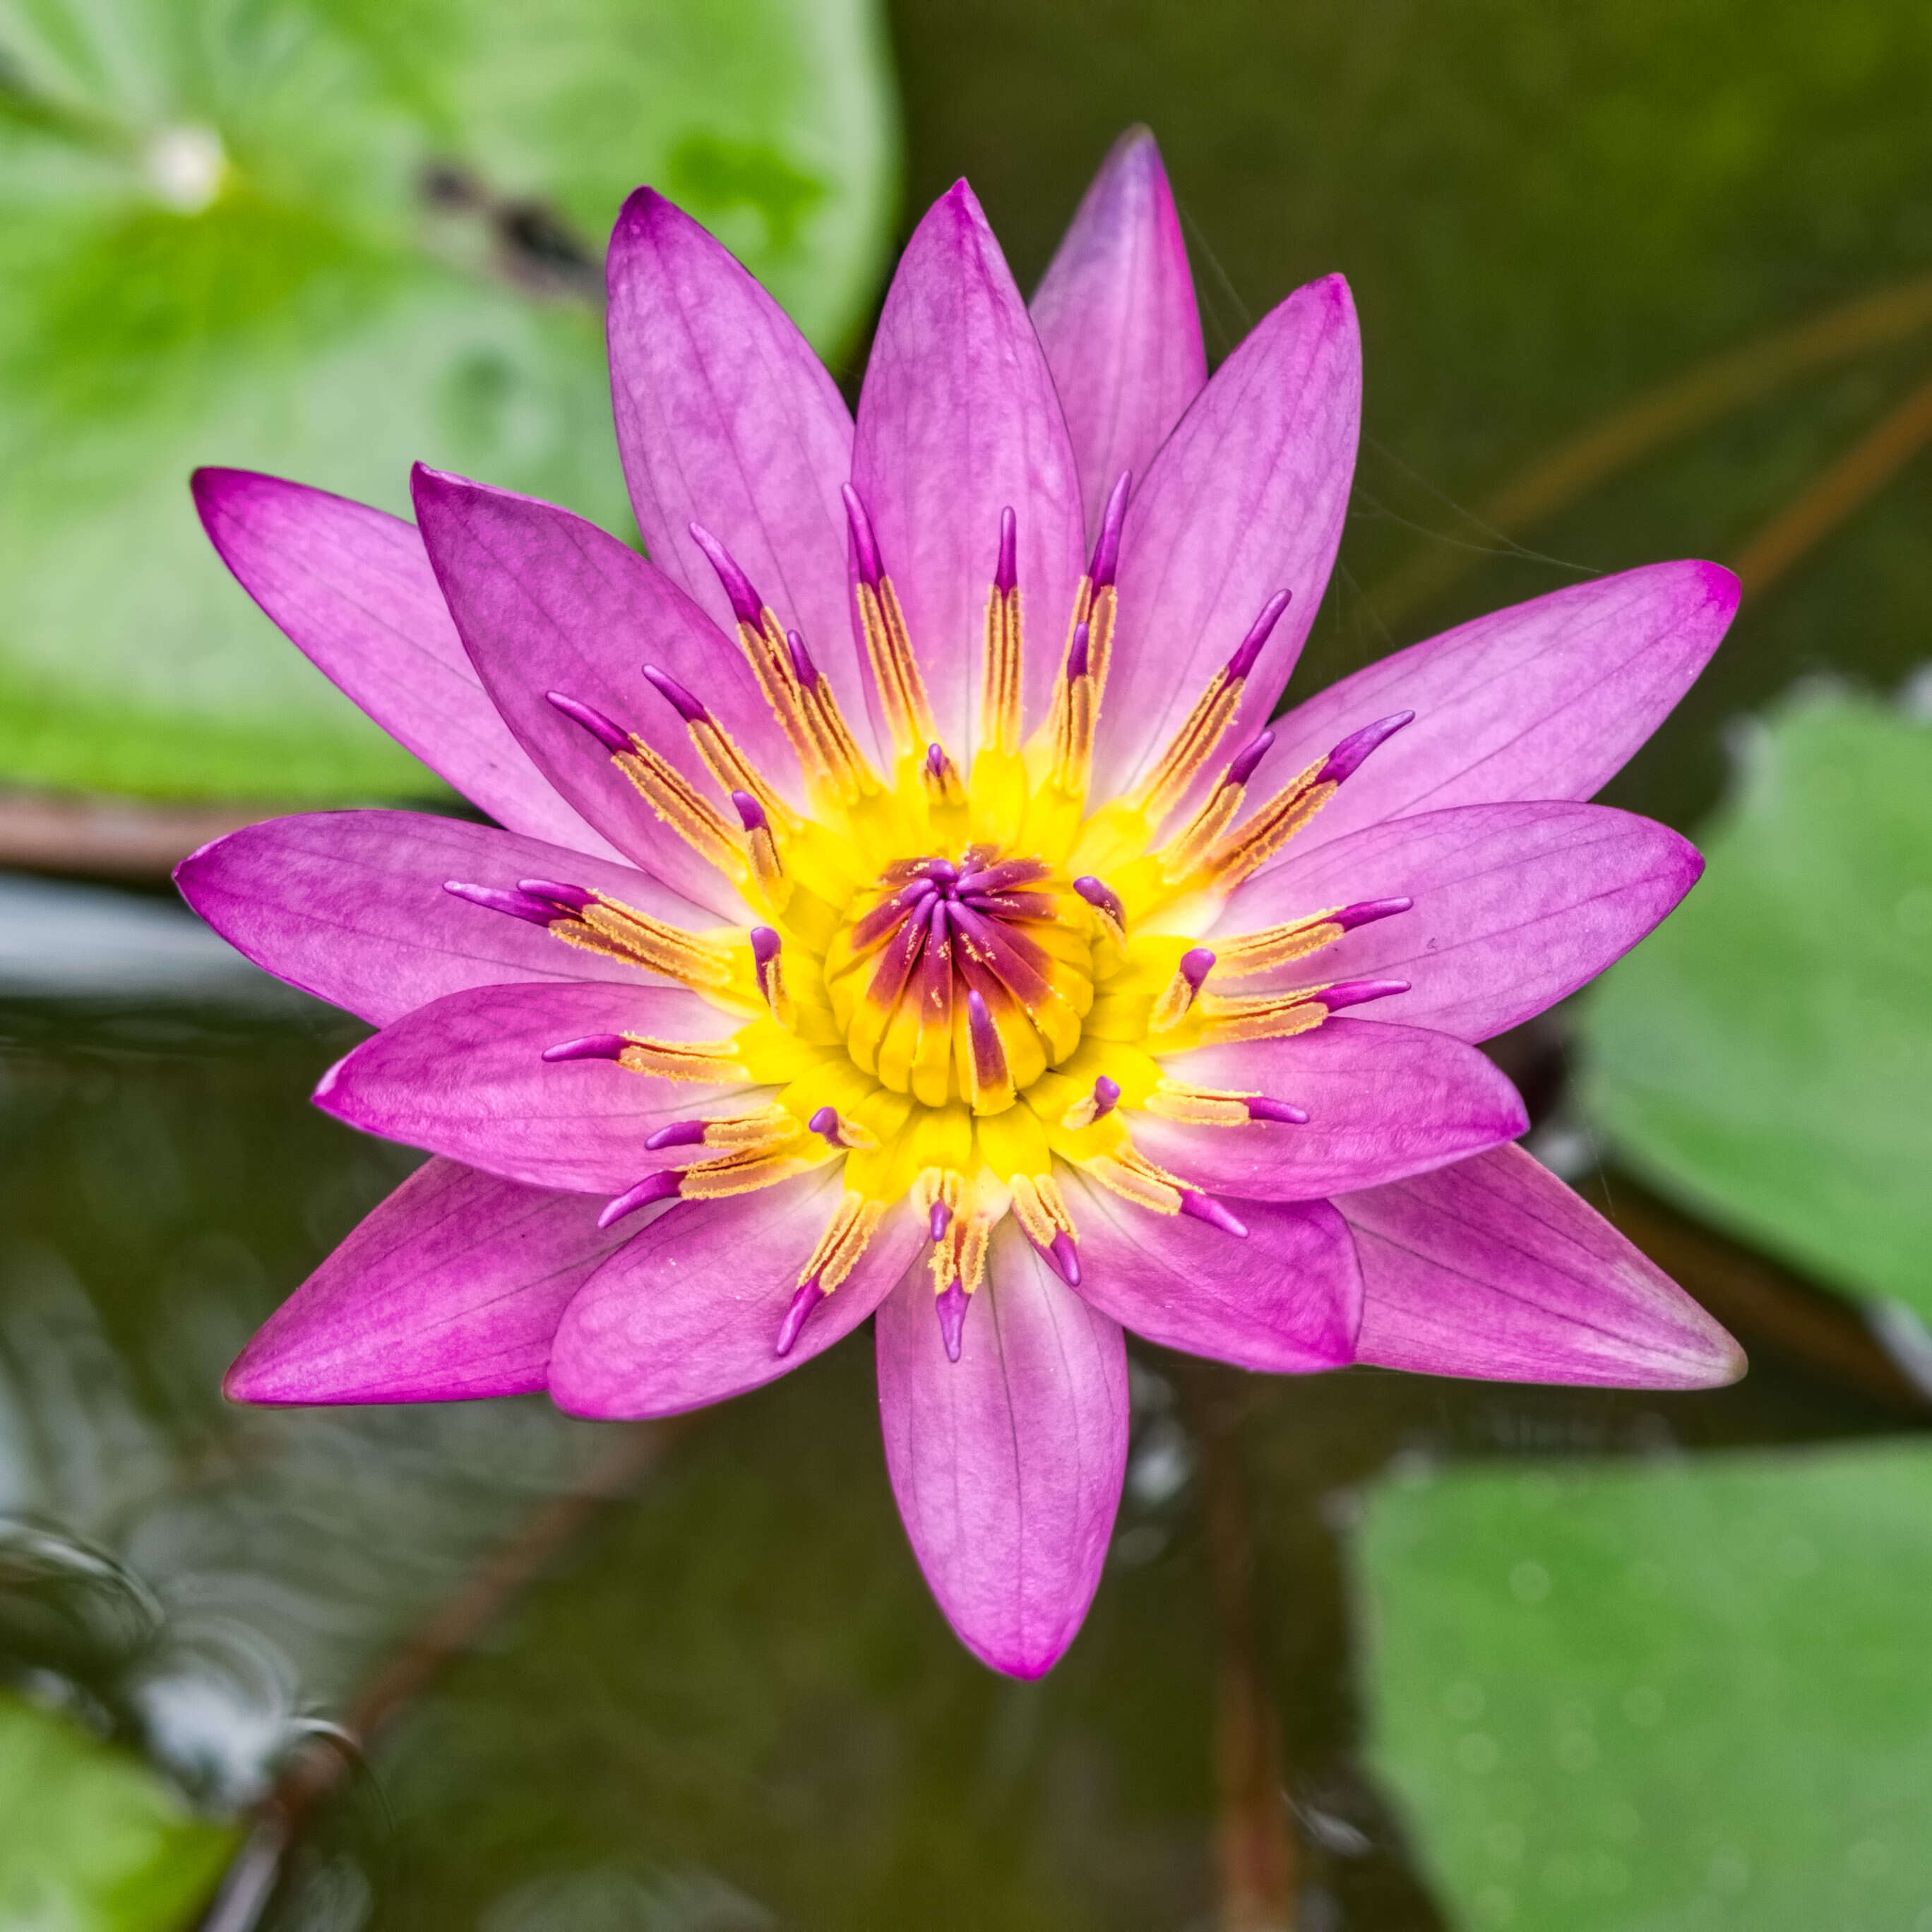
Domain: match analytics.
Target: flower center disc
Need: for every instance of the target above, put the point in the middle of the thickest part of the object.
(962, 980)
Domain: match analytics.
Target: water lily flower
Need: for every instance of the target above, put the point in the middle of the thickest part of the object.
(903, 906)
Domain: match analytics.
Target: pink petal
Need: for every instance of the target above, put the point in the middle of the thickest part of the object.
(1286, 1297)
(1545, 699)
(1494, 1268)
(545, 601)
(351, 588)
(1515, 907)
(726, 418)
(465, 1076)
(1246, 499)
(691, 1313)
(1116, 317)
(1007, 1463)
(1383, 1102)
(451, 1289)
(958, 421)
(350, 906)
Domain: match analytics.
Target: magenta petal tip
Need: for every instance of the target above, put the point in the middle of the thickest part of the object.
(950, 1306)
(797, 1314)
(592, 1046)
(611, 735)
(662, 1185)
(1205, 1207)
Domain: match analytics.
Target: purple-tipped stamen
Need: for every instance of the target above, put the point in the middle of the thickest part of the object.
(611, 735)
(1006, 572)
(950, 1306)
(674, 694)
(746, 604)
(941, 871)
(808, 1297)
(573, 898)
(1195, 966)
(751, 813)
(592, 1046)
(1205, 1207)
(766, 945)
(803, 668)
(1002, 878)
(1365, 912)
(938, 1220)
(1076, 654)
(662, 1185)
(1241, 766)
(865, 544)
(825, 1122)
(1107, 545)
(1347, 757)
(1261, 1108)
(680, 1133)
(518, 905)
(1062, 1255)
(1357, 992)
(1249, 648)
(1106, 1096)
(1102, 898)
(935, 761)
(989, 1057)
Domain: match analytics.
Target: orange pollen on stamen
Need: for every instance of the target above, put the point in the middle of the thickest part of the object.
(844, 1242)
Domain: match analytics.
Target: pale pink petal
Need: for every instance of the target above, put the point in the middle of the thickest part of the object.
(1545, 699)
(1116, 317)
(1245, 499)
(727, 417)
(1285, 1297)
(1382, 1101)
(1516, 906)
(1494, 1268)
(350, 906)
(1007, 1463)
(451, 1289)
(957, 421)
(692, 1313)
(351, 588)
(465, 1076)
(546, 602)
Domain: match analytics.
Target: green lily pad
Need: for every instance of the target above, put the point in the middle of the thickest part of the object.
(1685, 1699)
(327, 238)
(1766, 1056)
(91, 1840)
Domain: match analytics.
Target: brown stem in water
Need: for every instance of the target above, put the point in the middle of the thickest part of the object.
(1255, 1851)
(451, 1629)
(1731, 381)
(1847, 486)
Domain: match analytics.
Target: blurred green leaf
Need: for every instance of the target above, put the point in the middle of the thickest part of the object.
(1766, 1056)
(328, 238)
(1688, 1699)
(92, 1840)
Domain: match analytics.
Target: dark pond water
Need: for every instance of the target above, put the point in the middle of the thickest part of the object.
(689, 1678)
